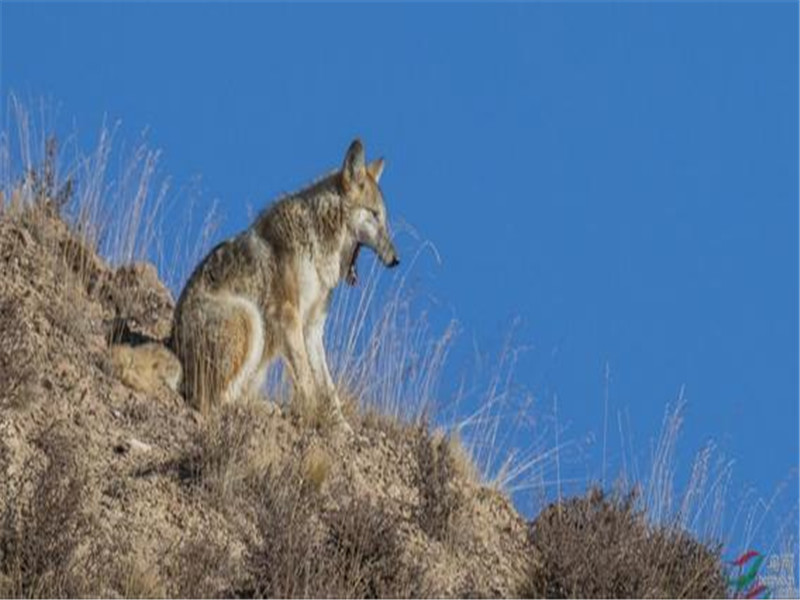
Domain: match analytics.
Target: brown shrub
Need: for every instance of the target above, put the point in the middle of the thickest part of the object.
(18, 354)
(302, 551)
(439, 498)
(601, 547)
(285, 558)
(364, 556)
(202, 569)
(41, 527)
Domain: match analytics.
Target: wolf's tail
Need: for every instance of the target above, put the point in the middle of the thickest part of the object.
(146, 367)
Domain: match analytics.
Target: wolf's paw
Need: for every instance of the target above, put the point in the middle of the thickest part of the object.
(344, 432)
(342, 426)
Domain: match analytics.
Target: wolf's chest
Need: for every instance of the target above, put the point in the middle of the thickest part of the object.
(315, 279)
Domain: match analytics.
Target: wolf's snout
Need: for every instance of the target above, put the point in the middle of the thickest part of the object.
(393, 263)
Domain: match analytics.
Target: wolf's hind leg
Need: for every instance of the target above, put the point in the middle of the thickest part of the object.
(220, 344)
(245, 338)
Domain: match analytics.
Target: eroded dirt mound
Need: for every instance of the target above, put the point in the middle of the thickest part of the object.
(107, 491)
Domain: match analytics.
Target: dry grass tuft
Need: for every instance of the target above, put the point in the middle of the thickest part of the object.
(316, 467)
(461, 459)
(225, 454)
(601, 547)
(139, 581)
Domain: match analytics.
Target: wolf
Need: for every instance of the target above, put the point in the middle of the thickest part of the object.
(265, 293)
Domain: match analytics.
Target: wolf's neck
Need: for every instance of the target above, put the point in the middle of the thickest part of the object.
(313, 216)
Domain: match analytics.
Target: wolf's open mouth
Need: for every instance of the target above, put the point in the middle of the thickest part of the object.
(352, 271)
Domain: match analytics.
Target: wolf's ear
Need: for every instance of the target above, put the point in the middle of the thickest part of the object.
(353, 169)
(375, 169)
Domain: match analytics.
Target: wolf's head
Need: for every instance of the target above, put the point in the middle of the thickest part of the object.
(366, 211)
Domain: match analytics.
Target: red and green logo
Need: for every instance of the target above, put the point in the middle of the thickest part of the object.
(746, 583)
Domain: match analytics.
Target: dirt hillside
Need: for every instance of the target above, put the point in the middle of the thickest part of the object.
(113, 492)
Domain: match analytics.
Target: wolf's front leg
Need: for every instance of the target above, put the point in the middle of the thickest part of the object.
(296, 355)
(319, 366)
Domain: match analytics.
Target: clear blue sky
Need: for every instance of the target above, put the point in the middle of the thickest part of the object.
(622, 177)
